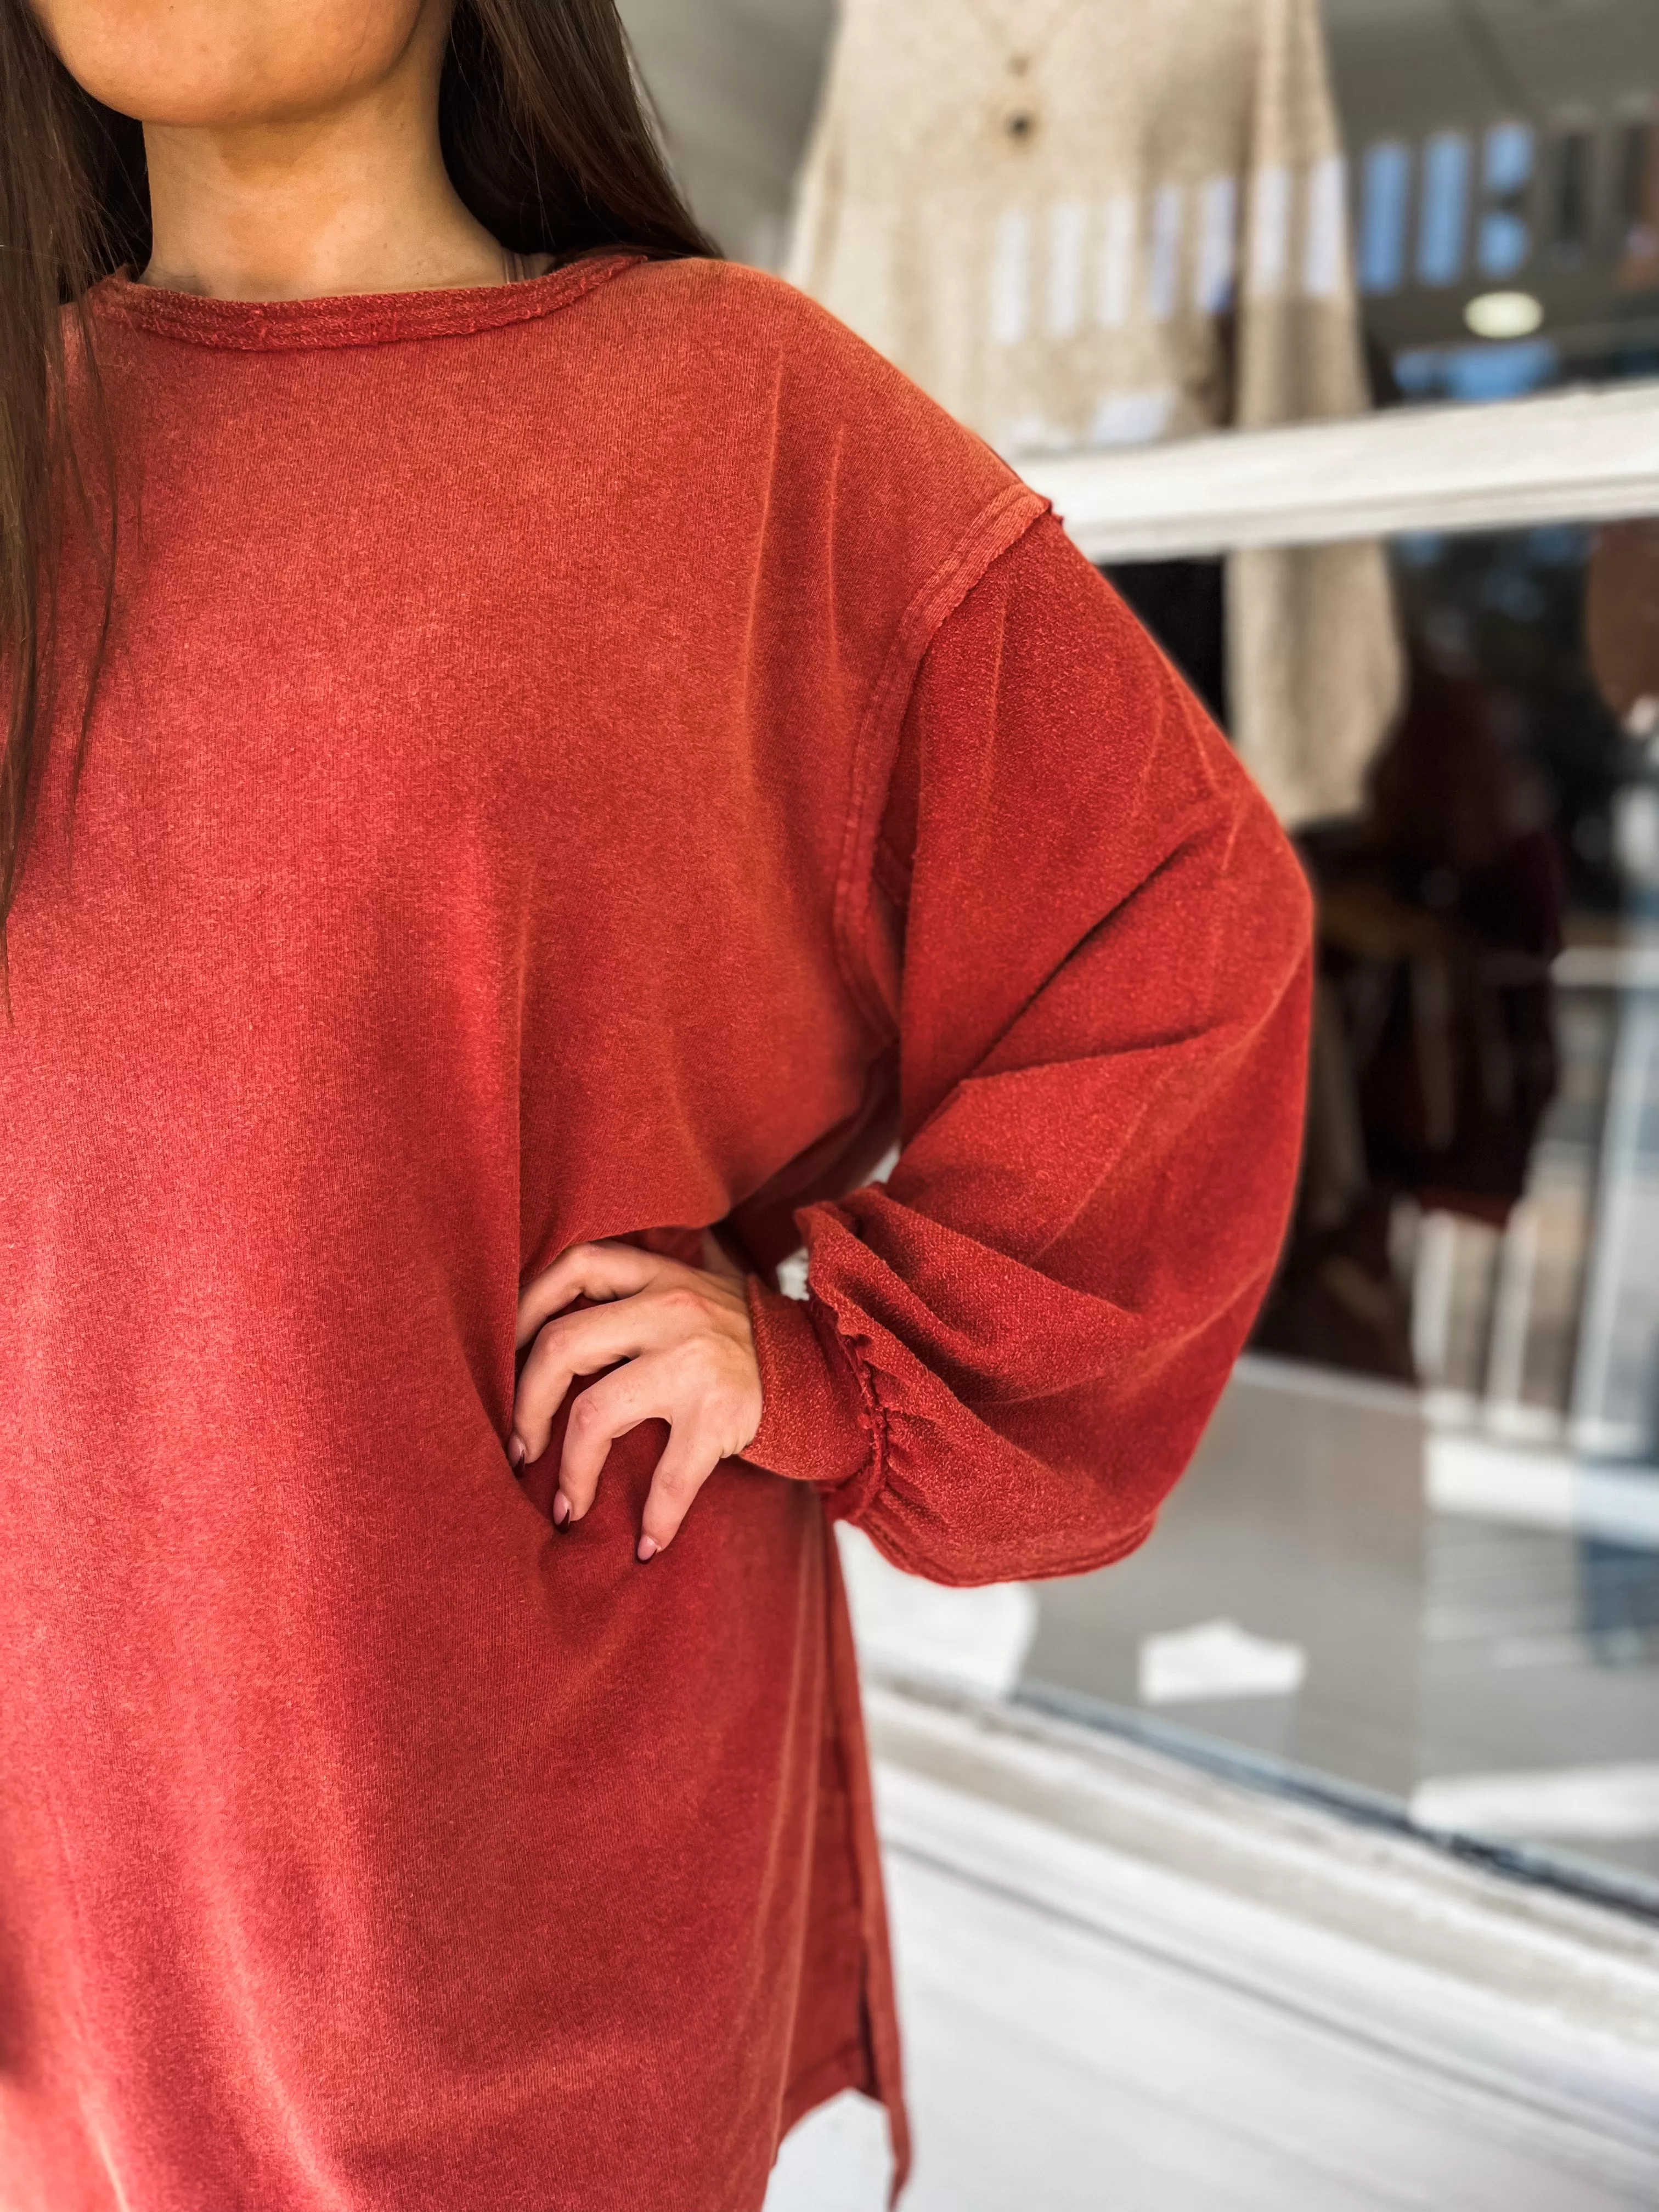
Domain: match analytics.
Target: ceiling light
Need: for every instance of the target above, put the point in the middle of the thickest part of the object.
(1503, 315)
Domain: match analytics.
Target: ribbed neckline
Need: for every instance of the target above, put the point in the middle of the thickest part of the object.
(357, 319)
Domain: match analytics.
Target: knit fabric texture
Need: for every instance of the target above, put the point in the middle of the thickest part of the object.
(595, 757)
(1080, 224)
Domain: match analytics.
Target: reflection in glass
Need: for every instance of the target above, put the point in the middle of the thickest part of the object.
(1553, 194)
(1637, 207)
(1505, 239)
(1386, 181)
(1572, 188)
(1444, 217)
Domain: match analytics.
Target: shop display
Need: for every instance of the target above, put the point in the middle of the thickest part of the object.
(1434, 1062)
(1098, 222)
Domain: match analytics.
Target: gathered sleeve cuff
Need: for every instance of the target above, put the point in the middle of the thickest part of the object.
(820, 1422)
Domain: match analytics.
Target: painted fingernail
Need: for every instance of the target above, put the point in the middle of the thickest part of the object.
(648, 1548)
(561, 1509)
(515, 1451)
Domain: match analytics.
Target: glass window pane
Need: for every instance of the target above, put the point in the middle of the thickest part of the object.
(1571, 194)
(1386, 190)
(1505, 239)
(1444, 216)
(1551, 275)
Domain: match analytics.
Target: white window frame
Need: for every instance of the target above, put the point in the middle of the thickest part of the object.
(1581, 456)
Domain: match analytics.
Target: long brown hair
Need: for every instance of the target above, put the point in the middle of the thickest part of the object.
(547, 140)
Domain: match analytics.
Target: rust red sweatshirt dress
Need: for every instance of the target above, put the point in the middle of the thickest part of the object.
(588, 758)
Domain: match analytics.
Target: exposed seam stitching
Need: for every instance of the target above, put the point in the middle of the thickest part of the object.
(997, 527)
(854, 1492)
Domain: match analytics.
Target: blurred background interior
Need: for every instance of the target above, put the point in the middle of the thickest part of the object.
(1415, 1574)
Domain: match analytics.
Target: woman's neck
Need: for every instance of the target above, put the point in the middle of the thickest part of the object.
(353, 198)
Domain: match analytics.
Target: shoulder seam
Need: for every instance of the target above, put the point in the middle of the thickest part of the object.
(993, 531)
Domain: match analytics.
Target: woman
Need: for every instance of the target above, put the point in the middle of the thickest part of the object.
(536, 757)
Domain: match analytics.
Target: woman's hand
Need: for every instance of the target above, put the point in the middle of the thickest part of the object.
(684, 1336)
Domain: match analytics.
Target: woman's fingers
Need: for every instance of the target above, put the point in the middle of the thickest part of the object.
(679, 1346)
(648, 1388)
(691, 1457)
(712, 1388)
(702, 1387)
(591, 1271)
(572, 1344)
(609, 1409)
